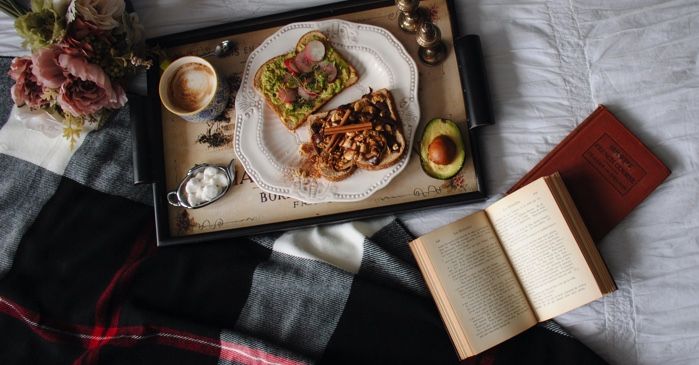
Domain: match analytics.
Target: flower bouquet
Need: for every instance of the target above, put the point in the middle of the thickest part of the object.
(82, 53)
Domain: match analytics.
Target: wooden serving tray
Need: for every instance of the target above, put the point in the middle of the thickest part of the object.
(176, 145)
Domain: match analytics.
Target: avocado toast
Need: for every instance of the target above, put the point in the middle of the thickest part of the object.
(298, 83)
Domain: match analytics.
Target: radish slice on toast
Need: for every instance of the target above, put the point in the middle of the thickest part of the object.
(329, 69)
(287, 95)
(303, 63)
(307, 94)
(291, 66)
(315, 51)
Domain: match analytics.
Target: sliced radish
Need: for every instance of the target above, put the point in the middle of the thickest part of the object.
(287, 95)
(291, 66)
(290, 81)
(315, 51)
(329, 69)
(303, 63)
(307, 94)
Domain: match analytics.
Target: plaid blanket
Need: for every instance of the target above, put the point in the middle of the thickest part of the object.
(82, 282)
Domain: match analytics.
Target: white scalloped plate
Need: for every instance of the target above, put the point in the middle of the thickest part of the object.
(269, 151)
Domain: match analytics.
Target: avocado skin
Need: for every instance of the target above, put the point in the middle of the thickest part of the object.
(433, 129)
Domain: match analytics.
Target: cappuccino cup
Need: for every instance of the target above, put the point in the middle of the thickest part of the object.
(191, 88)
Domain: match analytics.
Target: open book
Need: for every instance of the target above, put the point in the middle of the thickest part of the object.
(523, 260)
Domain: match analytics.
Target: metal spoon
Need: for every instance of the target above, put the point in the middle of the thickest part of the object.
(223, 49)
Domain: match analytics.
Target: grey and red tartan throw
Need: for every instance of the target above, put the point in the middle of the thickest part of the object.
(82, 282)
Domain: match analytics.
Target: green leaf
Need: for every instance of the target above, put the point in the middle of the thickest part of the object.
(72, 128)
(40, 28)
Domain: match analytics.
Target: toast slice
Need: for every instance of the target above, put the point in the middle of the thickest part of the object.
(392, 155)
(365, 134)
(298, 83)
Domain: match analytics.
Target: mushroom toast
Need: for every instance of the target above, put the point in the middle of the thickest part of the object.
(365, 134)
(298, 83)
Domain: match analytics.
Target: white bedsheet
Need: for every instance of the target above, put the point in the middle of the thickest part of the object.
(550, 63)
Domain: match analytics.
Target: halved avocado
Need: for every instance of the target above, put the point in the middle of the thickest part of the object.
(442, 151)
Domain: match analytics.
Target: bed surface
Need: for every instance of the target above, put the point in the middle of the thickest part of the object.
(550, 63)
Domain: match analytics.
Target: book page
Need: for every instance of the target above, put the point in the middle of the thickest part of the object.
(481, 289)
(543, 251)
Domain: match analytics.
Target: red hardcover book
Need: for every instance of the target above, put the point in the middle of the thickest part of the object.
(606, 168)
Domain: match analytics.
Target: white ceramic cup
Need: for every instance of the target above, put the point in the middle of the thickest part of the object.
(214, 103)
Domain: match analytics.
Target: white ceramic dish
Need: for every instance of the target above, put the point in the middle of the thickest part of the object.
(269, 151)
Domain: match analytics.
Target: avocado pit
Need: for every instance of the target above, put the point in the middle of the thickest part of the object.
(442, 150)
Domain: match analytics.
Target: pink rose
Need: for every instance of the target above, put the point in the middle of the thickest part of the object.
(81, 28)
(87, 89)
(76, 42)
(105, 14)
(75, 47)
(46, 68)
(27, 89)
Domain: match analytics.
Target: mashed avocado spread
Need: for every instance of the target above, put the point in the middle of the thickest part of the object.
(276, 75)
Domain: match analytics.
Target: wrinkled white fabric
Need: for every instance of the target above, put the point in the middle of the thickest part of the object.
(549, 64)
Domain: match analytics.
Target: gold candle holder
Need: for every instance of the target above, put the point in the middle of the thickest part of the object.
(410, 17)
(432, 50)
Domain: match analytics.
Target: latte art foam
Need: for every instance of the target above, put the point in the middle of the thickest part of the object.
(192, 86)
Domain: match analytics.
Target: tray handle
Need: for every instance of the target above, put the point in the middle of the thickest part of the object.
(139, 139)
(474, 81)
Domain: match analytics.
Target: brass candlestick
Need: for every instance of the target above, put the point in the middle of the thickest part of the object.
(432, 50)
(409, 17)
